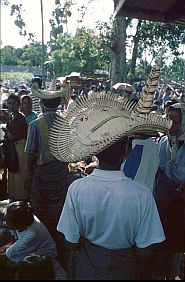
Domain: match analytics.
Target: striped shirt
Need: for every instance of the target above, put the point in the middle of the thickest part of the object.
(37, 138)
(35, 104)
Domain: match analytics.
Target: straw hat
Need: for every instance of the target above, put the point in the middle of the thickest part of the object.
(98, 123)
(50, 93)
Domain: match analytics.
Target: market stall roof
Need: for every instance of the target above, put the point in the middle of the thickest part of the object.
(123, 86)
(168, 11)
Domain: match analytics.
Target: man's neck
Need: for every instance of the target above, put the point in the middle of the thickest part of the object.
(105, 166)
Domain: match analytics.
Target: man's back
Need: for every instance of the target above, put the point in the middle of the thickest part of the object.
(111, 211)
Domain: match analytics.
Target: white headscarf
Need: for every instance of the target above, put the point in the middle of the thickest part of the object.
(181, 106)
(174, 139)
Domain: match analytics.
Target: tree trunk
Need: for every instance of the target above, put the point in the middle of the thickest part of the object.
(118, 65)
(134, 53)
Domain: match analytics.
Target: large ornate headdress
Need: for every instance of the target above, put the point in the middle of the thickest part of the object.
(97, 123)
(50, 93)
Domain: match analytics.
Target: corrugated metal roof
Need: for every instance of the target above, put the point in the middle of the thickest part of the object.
(168, 11)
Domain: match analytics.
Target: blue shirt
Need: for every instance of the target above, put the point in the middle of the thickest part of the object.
(32, 116)
(35, 238)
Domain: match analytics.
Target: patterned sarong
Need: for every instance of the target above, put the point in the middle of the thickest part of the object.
(48, 192)
(97, 263)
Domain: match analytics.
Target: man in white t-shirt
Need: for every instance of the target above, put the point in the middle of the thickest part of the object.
(111, 212)
(110, 219)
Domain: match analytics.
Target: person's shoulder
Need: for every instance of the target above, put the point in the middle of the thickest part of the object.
(79, 184)
(21, 115)
(34, 123)
(80, 181)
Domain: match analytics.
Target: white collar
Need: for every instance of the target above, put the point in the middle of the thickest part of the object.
(108, 174)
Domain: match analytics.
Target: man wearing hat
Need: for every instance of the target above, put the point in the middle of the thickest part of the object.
(48, 175)
(35, 100)
(108, 218)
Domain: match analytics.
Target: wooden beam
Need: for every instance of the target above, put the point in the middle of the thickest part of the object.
(176, 11)
(140, 13)
(175, 14)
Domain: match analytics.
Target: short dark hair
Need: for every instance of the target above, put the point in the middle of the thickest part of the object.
(52, 103)
(38, 80)
(93, 87)
(19, 215)
(22, 91)
(114, 154)
(15, 98)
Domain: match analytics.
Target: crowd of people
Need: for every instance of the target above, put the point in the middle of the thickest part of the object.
(121, 216)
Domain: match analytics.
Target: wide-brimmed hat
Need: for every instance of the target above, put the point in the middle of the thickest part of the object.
(51, 92)
(97, 123)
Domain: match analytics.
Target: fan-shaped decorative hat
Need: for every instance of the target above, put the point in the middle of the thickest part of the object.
(50, 93)
(96, 124)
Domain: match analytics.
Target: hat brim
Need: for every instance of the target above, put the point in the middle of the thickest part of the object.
(97, 123)
(48, 94)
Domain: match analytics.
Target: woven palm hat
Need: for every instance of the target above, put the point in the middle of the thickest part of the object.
(50, 93)
(97, 123)
(147, 96)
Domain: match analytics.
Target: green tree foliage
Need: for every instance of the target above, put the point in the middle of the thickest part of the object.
(8, 55)
(89, 50)
(156, 34)
(175, 71)
(105, 37)
(29, 55)
(82, 52)
(32, 55)
(151, 36)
